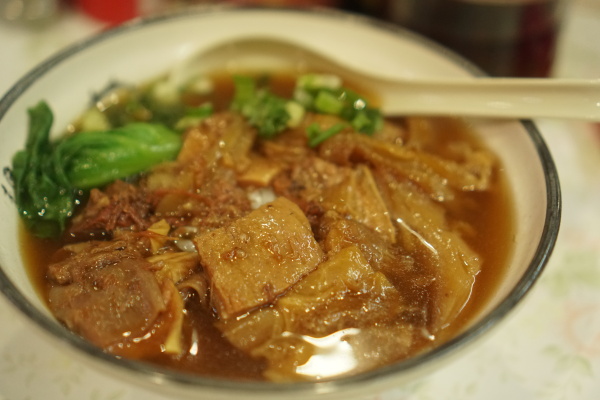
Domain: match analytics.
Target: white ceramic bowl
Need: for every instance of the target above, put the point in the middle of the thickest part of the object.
(141, 50)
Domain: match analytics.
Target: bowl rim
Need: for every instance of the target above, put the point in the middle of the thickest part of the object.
(163, 375)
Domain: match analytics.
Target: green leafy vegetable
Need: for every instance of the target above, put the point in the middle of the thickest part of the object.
(44, 197)
(48, 176)
(92, 159)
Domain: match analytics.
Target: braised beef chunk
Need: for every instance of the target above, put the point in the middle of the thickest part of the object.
(258, 257)
(105, 293)
(306, 182)
(121, 205)
(73, 262)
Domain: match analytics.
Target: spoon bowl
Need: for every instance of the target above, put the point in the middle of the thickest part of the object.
(514, 98)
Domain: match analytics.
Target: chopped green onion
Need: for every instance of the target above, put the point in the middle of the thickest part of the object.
(317, 135)
(296, 113)
(165, 93)
(245, 89)
(193, 116)
(264, 110)
(325, 94)
(319, 81)
(202, 111)
(328, 103)
(94, 120)
(367, 121)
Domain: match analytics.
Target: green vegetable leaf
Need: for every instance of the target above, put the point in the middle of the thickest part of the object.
(44, 197)
(93, 159)
(48, 176)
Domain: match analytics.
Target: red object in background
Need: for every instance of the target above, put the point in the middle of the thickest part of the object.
(110, 11)
(294, 3)
(117, 11)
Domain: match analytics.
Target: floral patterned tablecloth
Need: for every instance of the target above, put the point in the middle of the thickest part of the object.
(549, 348)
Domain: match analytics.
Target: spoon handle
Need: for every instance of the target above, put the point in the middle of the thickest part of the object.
(493, 97)
(469, 97)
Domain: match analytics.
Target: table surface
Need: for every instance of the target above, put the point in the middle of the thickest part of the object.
(548, 349)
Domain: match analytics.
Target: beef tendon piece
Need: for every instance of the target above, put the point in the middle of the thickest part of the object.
(344, 310)
(109, 301)
(357, 197)
(437, 176)
(260, 172)
(424, 228)
(224, 137)
(258, 257)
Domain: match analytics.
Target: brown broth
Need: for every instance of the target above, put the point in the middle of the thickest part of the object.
(494, 242)
(490, 213)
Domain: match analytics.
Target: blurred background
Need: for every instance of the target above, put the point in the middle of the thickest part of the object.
(503, 37)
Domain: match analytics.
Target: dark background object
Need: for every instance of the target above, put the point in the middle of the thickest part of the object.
(503, 37)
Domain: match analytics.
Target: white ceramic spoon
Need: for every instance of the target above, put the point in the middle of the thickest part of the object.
(521, 98)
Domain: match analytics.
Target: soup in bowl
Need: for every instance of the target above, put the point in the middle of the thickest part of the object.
(260, 231)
